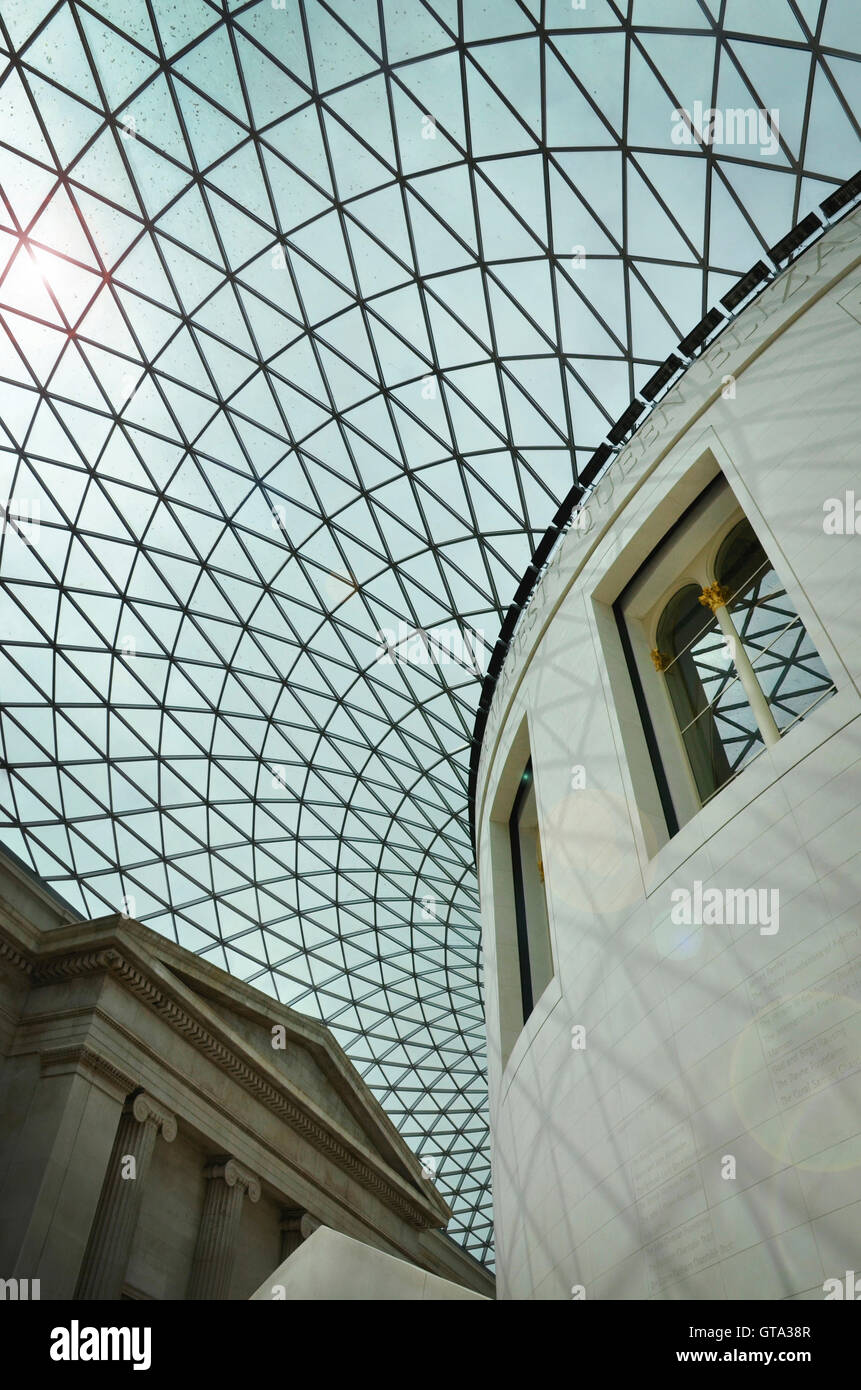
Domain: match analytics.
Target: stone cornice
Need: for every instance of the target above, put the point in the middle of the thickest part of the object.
(113, 959)
(210, 982)
(54, 1060)
(11, 952)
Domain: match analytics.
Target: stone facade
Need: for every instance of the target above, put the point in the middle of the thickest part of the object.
(169, 1132)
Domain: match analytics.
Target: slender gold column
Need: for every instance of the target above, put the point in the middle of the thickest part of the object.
(715, 597)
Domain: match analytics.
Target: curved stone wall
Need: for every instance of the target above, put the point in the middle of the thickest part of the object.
(704, 1141)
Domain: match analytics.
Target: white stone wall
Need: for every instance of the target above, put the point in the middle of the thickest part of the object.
(607, 1161)
(332, 1267)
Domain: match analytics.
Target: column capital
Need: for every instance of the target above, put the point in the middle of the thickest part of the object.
(144, 1108)
(233, 1174)
(715, 596)
(296, 1225)
(297, 1221)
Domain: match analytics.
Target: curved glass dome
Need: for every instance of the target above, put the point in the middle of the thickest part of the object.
(310, 311)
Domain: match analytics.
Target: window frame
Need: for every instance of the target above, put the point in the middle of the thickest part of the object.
(709, 519)
(503, 933)
(521, 916)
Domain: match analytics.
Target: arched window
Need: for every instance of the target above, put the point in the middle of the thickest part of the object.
(739, 664)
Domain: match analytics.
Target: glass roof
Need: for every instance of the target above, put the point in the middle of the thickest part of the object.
(311, 310)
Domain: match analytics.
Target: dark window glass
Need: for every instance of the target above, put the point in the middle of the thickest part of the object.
(530, 901)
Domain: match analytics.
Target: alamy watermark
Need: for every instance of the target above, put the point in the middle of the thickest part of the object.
(428, 646)
(731, 125)
(849, 1287)
(20, 1290)
(704, 907)
(842, 515)
(21, 517)
(77, 1343)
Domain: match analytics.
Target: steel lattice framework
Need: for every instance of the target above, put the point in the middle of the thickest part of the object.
(311, 311)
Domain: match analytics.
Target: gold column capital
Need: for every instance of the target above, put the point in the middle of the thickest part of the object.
(715, 596)
(660, 660)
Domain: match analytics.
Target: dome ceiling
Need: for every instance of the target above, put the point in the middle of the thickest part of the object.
(310, 313)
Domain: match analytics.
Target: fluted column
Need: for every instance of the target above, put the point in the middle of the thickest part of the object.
(291, 1231)
(113, 1230)
(214, 1255)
